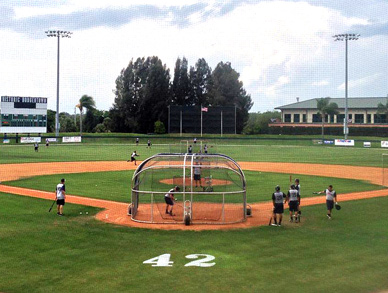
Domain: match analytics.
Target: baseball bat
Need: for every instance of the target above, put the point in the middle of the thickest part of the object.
(270, 221)
(52, 205)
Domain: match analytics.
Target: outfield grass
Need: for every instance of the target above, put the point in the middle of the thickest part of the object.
(116, 185)
(41, 252)
(280, 151)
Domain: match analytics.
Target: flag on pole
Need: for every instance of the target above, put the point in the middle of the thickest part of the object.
(204, 109)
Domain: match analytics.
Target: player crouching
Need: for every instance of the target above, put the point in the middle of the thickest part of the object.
(169, 199)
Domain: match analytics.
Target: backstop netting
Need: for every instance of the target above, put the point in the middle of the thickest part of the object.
(217, 197)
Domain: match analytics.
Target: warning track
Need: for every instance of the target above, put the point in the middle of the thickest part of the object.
(116, 212)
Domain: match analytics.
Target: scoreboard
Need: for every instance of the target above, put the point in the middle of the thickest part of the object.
(23, 115)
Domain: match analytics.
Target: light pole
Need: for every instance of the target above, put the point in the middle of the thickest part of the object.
(346, 38)
(58, 35)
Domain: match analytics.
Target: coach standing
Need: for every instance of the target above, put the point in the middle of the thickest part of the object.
(60, 194)
(331, 197)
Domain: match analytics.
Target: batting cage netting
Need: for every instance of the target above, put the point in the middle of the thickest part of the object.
(212, 189)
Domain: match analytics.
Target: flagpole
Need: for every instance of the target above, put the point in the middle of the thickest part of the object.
(201, 120)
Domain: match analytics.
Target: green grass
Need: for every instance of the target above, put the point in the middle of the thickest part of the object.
(116, 185)
(41, 252)
(278, 151)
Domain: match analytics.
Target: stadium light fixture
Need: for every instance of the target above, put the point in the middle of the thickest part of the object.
(346, 38)
(58, 34)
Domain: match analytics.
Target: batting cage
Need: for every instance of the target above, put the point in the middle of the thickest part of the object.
(205, 189)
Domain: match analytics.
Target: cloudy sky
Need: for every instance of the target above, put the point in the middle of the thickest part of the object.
(282, 49)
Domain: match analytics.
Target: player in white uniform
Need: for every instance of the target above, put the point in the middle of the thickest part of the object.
(293, 200)
(60, 196)
(331, 197)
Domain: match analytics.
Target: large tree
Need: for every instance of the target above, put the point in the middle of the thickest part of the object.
(142, 95)
(85, 102)
(200, 79)
(383, 110)
(181, 85)
(325, 107)
(226, 89)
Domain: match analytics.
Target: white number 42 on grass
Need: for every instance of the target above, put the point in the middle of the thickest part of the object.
(163, 260)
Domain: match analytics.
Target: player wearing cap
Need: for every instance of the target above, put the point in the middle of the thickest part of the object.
(293, 200)
(190, 149)
(137, 141)
(331, 197)
(148, 144)
(60, 195)
(278, 206)
(169, 199)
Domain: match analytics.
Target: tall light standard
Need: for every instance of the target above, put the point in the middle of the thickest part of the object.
(346, 38)
(58, 35)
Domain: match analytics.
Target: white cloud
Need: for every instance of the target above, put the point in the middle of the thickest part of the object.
(320, 83)
(282, 49)
(364, 81)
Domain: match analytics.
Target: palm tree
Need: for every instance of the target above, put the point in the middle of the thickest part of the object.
(326, 108)
(383, 110)
(86, 102)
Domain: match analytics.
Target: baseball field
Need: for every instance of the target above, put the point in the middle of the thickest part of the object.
(96, 246)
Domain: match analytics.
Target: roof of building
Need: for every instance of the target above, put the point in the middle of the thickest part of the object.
(353, 103)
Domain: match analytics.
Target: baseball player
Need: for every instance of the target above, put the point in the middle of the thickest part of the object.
(36, 147)
(148, 144)
(190, 149)
(169, 199)
(60, 196)
(195, 140)
(205, 148)
(47, 143)
(197, 174)
(133, 157)
(297, 187)
(293, 200)
(331, 197)
(137, 141)
(278, 198)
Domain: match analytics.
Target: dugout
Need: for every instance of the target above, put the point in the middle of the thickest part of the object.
(219, 198)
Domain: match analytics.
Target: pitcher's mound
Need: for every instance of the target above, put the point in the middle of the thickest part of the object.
(179, 181)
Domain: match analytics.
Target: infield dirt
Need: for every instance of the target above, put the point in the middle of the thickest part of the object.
(116, 212)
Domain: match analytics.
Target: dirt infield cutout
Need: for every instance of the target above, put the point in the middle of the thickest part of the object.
(116, 212)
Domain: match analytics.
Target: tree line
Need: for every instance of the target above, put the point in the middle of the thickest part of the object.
(144, 90)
